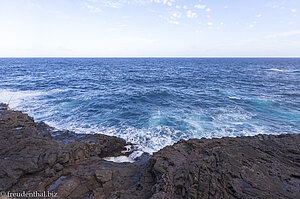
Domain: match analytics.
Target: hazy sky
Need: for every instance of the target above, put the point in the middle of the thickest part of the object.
(101, 28)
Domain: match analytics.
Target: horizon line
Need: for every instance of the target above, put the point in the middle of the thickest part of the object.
(150, 57)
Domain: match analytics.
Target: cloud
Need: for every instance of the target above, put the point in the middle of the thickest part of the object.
(210, 23)
(259, 15)
(166, 2)
(173, 17)
(91, 8)
(199, 6)
(191, 14)
(33, 4)
(171, 20)
(208, 10)
(277, 4)
(176, 15)
(293, 10)
(95, 6)
(111, 4)
(252, 24)
(283, 34)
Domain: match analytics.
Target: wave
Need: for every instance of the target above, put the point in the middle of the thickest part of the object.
(18, 99)
(161, 128)
(237, 98)
(165, 128)
(275, 69)
(281, 70)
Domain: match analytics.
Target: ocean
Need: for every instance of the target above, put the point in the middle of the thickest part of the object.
(154, 102)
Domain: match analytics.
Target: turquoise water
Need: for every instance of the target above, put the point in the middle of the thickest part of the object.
(155, 102)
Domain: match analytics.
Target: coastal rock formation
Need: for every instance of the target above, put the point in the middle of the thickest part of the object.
(32, 158)
(36, 157)
(263, 166)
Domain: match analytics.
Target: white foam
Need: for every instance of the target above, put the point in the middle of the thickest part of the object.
(281, 70)
(136, 154)
(275, 69)
(227, 121)
(128, 149)
(17, 99)
(119, 159)
(234, 98)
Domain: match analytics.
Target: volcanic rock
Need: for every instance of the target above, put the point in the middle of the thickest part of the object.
(37, 157)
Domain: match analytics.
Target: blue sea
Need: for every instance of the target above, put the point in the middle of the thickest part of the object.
(154, 102)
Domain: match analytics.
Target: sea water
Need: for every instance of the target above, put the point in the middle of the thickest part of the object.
(154, 102)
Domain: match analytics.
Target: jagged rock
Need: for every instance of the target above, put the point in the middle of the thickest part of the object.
(263, 166)
(29, 156)
(103, 175)
(58, 167)
(36, 157)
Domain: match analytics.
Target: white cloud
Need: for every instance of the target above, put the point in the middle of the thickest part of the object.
(191, 14)
(112, 4)
(284, 34)
(294, 10)
(259, 15)
(176, 15)
(95, 6)
(208, 10)
(200, 6)
(173, 17)
(91, 8)
(165, 2)
(210, 23)
(33, 4)
(252, 24)
(173, 21)
(226, 7)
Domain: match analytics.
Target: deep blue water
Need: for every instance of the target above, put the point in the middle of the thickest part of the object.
(157, 101)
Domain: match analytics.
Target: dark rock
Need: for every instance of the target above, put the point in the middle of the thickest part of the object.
(103, 175)
(58, 167)
(36, 157)
(49, 172)
(262, 166)
(31, 158)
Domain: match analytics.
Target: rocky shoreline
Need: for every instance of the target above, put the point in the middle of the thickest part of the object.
(35, 157)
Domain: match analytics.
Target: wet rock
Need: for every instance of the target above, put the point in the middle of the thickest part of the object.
(49, 172)
(31, 155)
(34, 156)
(244, 167)
(58, 167)
(103, 175)
(67, 187)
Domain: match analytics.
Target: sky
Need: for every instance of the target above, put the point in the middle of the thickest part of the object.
(149, 28)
